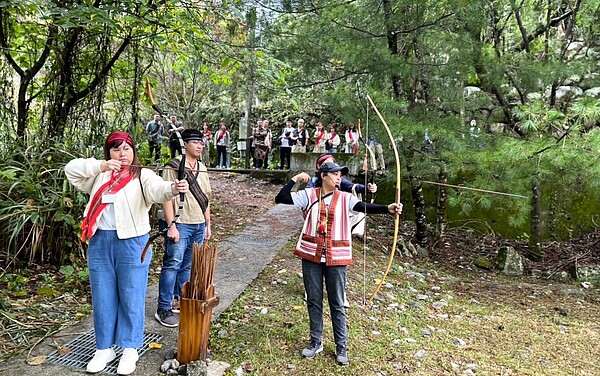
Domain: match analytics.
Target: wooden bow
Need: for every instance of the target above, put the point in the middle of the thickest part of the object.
(180, 170)
(397, 200)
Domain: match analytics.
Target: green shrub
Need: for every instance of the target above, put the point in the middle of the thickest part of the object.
(40, 212)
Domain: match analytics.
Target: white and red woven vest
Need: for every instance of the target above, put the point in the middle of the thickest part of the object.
(338, 236)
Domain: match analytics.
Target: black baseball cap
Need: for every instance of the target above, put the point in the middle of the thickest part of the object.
(333, 167)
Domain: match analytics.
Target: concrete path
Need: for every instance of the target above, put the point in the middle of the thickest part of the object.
(241, 258)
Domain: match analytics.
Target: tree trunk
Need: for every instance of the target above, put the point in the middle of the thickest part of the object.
(58, 113)
(423, 82)
(441, 207)
(26, 75)
(416, 190)
(487, 79)
(22, 108)
(535, 238)
(392, 39)
(251, 21)
(522, 29)
(67, 90)
(135, 92)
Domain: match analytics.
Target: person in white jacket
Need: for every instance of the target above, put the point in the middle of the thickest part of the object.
(333, 140)
(117, 224)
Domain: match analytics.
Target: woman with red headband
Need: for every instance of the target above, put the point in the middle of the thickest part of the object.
(117, 224)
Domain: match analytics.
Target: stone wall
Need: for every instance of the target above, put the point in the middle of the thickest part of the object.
(305, 162)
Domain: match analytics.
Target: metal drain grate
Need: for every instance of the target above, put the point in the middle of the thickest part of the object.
(82, 349)
(255, 240)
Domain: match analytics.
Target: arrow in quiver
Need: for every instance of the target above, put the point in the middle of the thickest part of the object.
(197, 302)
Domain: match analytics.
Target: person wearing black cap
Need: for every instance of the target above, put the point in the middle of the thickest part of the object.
(193, 226)
(358, 221)
(345, 185)
(325, 248)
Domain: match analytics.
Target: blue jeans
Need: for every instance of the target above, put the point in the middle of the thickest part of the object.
(335, 282)
(177, 262)
(118, 280)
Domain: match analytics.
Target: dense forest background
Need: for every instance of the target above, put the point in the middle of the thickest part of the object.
(498, 95)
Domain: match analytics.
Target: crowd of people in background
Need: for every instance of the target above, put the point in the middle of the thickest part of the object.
(263, 141)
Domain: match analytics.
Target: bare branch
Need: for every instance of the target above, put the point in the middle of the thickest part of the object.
(541, 29)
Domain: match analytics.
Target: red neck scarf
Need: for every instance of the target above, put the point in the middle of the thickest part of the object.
(221, 135)
(114, 185)
(354, 145)
(320, 136)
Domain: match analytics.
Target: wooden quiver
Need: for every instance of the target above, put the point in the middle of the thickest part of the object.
(194, 325)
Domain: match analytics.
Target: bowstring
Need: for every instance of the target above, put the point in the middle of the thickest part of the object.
(364, 297)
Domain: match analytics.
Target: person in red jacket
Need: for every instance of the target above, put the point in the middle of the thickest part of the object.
(325, 248)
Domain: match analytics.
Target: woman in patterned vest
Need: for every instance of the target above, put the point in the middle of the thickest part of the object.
(325, 248)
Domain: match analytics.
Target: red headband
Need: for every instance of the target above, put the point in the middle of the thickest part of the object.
(324, 157)
(119, 136)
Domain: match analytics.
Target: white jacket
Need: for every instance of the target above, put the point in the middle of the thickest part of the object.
(131, 210)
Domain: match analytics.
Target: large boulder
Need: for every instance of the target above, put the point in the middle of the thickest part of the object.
(509, 261)
(592, 92)
(471, 90)
(477, 98)
(497, 127)
(566, 94)
(535, 96)
(590, 80)
(586, 273)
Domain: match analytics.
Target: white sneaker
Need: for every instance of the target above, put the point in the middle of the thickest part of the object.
(128, 361)
(100, 360)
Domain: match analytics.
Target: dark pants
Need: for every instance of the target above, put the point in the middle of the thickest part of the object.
(154, 150)
(284, 155)
(174, 146)
(335, 282)
(266, 160)
(221, 156)
(254, 161)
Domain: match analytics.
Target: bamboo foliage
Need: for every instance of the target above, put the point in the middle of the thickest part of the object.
(39, 211)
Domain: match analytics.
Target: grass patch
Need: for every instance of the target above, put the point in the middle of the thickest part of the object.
(428, 322)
